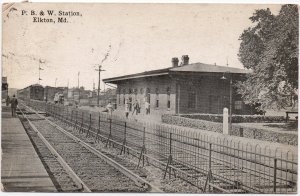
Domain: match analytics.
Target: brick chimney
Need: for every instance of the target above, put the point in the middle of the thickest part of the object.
(185, 59)
(175, 62)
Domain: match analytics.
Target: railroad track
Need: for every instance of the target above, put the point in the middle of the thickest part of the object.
(192, 176)
(232, 172)
(83, 168)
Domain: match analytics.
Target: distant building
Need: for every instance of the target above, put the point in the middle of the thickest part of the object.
(49, 92)
(74, 93)
(185, 88)
(4, 88)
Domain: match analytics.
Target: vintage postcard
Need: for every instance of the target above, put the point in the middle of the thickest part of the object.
(150, 97)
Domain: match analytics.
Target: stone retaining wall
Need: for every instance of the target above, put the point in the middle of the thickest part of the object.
(236, 118)
(237, 130)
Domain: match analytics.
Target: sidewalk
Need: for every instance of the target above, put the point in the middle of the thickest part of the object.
(21, 168)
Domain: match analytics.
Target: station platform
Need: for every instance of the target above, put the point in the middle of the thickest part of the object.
(21, 167)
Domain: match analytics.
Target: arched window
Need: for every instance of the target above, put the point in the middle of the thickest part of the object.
(135, 92)
(157, 97)
(148, 95)
(119, 93)
(191, 98)
(124, 92)
(168, 97)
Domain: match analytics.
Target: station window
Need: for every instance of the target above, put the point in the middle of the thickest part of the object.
(238, 105)
(168, 97)
(119, 92)
(135, 92)
(148, 95)
(124, 91)
(191, 98)
(157, 97)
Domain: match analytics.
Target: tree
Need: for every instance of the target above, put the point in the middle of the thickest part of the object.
(270, 49)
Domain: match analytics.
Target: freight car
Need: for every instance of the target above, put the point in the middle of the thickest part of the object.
(35, 92)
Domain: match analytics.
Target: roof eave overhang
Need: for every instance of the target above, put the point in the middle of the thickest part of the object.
(116, 80)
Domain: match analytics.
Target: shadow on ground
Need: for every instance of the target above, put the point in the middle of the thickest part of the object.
(290, 126)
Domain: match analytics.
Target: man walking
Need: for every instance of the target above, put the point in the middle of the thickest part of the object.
(147, 107)
(14, 104)
(7, 100)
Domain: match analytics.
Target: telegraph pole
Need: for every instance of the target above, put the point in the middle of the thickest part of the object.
(230, 103)
(40, 73)
(67, 91)
(55, 81)
(78, 89)
(99, 70)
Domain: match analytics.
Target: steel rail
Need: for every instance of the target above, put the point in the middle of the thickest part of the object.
(137, 179)
(162, 163)
(221, 178)
(67, 168)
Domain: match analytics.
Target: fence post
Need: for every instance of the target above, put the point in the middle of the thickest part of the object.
(209, 163)
(81, 126)
(144, 145)
(275, 175)
(124, 140)
(75, 124)
(170, 149)
(98, 132)
(109, 133)
(143, 150)
(209, 173)
(71, 120)
(170, 159)
(241, 132)
(88, 131)
(46, 109)
(62, 114)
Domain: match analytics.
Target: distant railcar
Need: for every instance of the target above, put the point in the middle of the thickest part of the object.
(35, 92)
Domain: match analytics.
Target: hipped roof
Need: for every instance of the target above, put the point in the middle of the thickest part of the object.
(195, 68)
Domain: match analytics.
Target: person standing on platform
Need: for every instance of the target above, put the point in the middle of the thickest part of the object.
(147, 107)
(7, 100)
(13, 104)
(109, 108)
(126, 109)
(135, 107)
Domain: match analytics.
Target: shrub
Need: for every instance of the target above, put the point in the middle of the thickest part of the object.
(236, 118)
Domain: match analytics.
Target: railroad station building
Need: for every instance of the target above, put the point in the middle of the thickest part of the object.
(182, 89)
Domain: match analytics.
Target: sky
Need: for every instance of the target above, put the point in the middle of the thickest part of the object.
(123, 38)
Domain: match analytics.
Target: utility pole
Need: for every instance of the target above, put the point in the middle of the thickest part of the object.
(67, 90)
(230, 103)
(55, 81)
(40, 72)
(78, 89)
(99, 70)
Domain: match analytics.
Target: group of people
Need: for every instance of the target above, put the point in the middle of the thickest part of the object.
(13, 104)
(136, 108)
(133, 107)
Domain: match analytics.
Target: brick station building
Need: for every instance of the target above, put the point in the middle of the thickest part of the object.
(182, 89)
